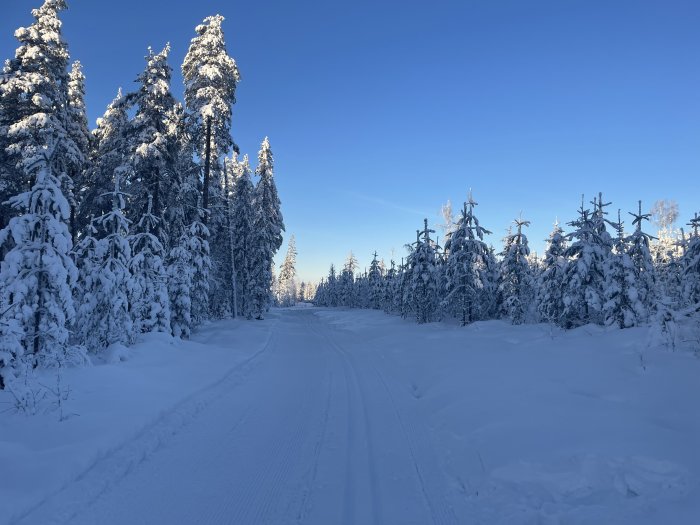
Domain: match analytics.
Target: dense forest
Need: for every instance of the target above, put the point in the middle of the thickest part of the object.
(151, 222)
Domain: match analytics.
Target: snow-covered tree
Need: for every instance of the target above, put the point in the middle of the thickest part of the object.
(37, 275)
(515, 286)
(375, 282)
(585, 273)
(110, 159)
(79, 134)
(242, 223)
(198, 247)
(211, 77)
(151, 304)
(645, 296)
(287, 279)
(691, 265)
(153, 143)
(33, 106)
(619, 290)
(267, 202)
(423, 284)
(106, 284)
(469, 269)
(550, 288)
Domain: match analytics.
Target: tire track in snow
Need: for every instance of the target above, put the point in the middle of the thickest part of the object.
(117, 463)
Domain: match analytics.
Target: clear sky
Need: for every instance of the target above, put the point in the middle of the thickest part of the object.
(380, 111)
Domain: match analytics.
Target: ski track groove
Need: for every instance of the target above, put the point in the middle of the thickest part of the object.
(114, 465)
(352, 383)
(305, 503)
(442, 513)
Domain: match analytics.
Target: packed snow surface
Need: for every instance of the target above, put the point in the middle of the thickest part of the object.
(321, 416)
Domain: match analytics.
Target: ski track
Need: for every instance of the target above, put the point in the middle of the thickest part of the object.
(307, 430)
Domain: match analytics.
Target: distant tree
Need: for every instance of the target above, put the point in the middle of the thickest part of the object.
(515, 284)
(423, 284)
(376, 284)
(287, 277)
(550, 288)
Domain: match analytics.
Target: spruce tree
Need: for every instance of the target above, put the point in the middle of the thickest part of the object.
(515, 286)
(469, 273)
(242, 223)
(619, 289)
(423, 285)
(153, 144)
(691, 265)
(37, 275)
(375, 282)
(104, 316)
(110, 159)
(33, 107)
(151, 304)
(587, 257)
(550, 288)
(287, 278)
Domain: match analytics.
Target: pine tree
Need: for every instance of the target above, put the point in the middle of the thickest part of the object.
(515, 285)
(151, 304)
(550, 288)
(37, 276)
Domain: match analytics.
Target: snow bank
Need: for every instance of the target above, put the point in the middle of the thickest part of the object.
(113, 403)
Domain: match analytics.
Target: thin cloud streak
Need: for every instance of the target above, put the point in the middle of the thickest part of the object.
(388, 204)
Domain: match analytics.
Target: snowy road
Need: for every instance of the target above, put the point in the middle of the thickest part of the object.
(306, 431)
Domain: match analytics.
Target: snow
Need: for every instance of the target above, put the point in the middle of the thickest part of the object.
(322, 416)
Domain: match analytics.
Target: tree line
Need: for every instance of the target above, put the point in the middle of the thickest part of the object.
(596, 273)
(150, 222)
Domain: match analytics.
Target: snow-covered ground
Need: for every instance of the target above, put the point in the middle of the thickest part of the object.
(323, 416)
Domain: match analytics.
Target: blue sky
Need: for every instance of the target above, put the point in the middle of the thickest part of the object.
(378, 112)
